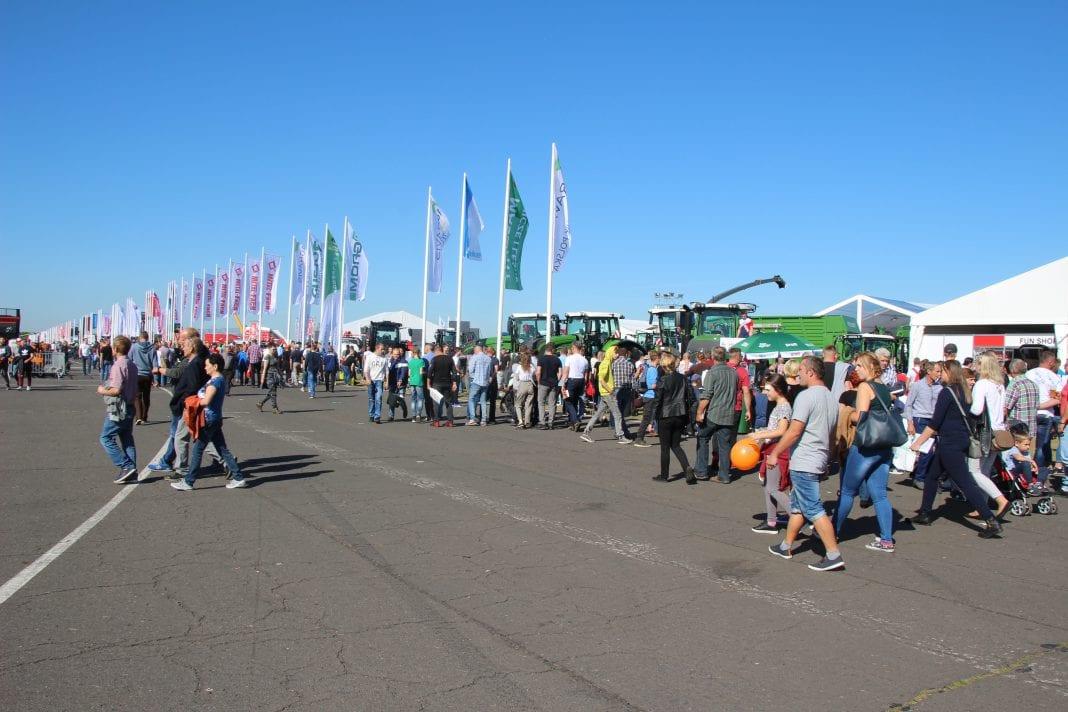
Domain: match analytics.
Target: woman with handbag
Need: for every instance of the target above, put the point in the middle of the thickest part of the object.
(871, 452)
(671, 406)
(988, 406)
(956, 441)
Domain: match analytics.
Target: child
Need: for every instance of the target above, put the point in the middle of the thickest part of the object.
(1019, 462)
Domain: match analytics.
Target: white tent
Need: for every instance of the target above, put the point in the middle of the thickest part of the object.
(407, 320)
(871, 312)
(1021, 310)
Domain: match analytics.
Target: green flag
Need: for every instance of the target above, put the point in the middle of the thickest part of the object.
(517, 233)
(330, 321)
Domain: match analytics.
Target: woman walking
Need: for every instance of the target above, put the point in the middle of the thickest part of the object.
(776, 497)
(868, 465)
(988, 405)
(272, 376)
(211, 397)
(953, 431)
(523, 383)
(671, 407)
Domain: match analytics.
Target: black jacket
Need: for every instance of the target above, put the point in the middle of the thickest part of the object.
(674, 396)
(190, 381)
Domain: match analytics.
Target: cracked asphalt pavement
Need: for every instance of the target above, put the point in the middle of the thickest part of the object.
(395, 566)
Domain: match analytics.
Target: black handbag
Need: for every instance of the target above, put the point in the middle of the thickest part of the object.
(882, 429)
(975, 446)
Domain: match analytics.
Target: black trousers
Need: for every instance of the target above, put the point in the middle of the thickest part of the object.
(951, 459)
(144, 397)
(671, 429)
(491, 398)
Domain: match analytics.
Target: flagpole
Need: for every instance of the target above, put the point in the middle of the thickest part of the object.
(343, 285)
(289, 294)
(549, 264)
(426, 262)
(261, 290)
(504, 253)
(463, 237)
(244, 289)
(215, 306)
(304, 289)
(203, 293)
(322, 285)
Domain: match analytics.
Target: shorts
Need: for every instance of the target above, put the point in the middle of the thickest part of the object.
(805, 496)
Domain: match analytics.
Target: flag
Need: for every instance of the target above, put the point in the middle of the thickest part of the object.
(224, 293)
(155, 313)
(561, 221)
(131, 320)
(517, 233)
(270, 282)
(185, 297)
(300, 271)
(475, 226)
(315, 276)
(237, 284)
(170, 301)
(330, 324)
(439, 235)
(356, 262)
(254, 279)
(209, 296)
(198, 297)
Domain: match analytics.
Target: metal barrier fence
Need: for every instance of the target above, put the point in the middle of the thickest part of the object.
(49, 363)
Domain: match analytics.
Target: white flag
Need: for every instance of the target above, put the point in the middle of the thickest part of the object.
(270, 282)
(356, 261)
(439, 235)
(300, 272)
(475, 226)
(561, 221)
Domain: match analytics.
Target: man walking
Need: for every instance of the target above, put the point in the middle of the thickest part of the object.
(480, 371)
(1049, 397)
(86, 353)
(614, 375)
(375, 365)
(812, 425)
(548, 376)
(417, 367)
(918, 411)
(649, 378)
(144, 359)
(313, 364)
(716, 417)
(119, 394)
(396, 382)
(255, 356)
(442, 377)
(576, 370)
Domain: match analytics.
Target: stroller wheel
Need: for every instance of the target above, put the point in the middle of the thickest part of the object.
(1019, 508)
(1046, 505)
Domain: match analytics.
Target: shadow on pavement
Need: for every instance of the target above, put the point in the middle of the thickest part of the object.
(257, 481)
(253, 461)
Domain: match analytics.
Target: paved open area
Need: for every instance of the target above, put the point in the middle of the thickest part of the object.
(402, 567)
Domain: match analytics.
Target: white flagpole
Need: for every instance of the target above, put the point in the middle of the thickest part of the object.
(215, 306)
(549, 266)
(289, 294)
(504, 253)
(304, 289)
(460, 276)
(343, 285)
(244, 291)
(262, 292)
(203, 293)
(144, 320)
(229, 297)
(322, 282)
(426, 263)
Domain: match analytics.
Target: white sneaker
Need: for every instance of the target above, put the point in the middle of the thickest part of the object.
(585, 438)
(236, 484)
(183, 485)
(27, 388)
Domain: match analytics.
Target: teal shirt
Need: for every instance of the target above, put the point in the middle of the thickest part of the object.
(417, 372)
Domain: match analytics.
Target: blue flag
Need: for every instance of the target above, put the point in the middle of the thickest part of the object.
(475, 226)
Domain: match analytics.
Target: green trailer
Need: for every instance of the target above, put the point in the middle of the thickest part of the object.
(820, 330)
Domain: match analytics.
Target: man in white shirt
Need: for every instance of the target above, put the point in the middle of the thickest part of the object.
(374, 370)
(576, 369)
(1048, 383)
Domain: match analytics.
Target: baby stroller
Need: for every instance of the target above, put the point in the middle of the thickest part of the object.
(1020, 503)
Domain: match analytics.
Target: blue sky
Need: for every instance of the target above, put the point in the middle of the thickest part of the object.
(912, 150)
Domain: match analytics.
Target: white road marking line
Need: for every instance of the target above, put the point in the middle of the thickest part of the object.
(12, 586)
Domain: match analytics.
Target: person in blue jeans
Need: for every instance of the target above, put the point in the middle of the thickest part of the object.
(313, 364)
(868, 466)
(119, 393)
(211, 397)
(480, 370)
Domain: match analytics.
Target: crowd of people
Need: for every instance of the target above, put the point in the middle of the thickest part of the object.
(964, 426)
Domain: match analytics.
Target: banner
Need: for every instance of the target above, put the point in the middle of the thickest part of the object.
(237, 284)
(517, 233)
(475, 226)
(156, 314)
(315, 272)
(561, 220)
(251, 331)
(198, 297)
(273, 264)
(356, 261)
(254, 281)
(209, 296)
(185, 298)
(300, 271)
(330, 324)
(224, 293)
(439, 235)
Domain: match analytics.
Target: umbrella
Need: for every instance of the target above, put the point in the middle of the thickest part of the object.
(773, 344)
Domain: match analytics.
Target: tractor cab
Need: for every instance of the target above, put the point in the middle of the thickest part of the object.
(445, 337)
(849, 345)
(714, 321)
(383, 332)
(672, 325)
(594, 329)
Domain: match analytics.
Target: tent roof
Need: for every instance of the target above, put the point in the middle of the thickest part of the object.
(1012, 301)
(405, 319)
(888, 314)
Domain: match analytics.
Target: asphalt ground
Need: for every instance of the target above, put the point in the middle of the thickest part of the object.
(400, 567)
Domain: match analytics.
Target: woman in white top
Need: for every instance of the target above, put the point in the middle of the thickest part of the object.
(988, 403)
(523, 384)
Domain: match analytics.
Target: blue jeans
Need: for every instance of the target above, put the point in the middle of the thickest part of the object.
(478, 397)
(374, 400)
(873, 468)
(168, 456)
(211, 433)
(1043, 437)
(1062, 451)
(87, 366)
(311, 379)
(721, 437)
(418, 406)
(805, 495)
(105, 371)
(923, 459)
(123, 455)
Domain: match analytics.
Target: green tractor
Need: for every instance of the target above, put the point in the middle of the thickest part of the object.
(524, 329)
(849, 345)
(596, 331)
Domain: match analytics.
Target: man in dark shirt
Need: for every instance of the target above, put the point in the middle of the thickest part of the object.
(442, 377)
(716, 417)
(548, 376)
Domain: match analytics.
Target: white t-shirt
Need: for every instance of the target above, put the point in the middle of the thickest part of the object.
(1047, 381)
(993, 396)
(521, 376)
(576, 365)
(374, 366)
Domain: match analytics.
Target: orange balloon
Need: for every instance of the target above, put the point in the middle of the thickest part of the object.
(745, 455)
